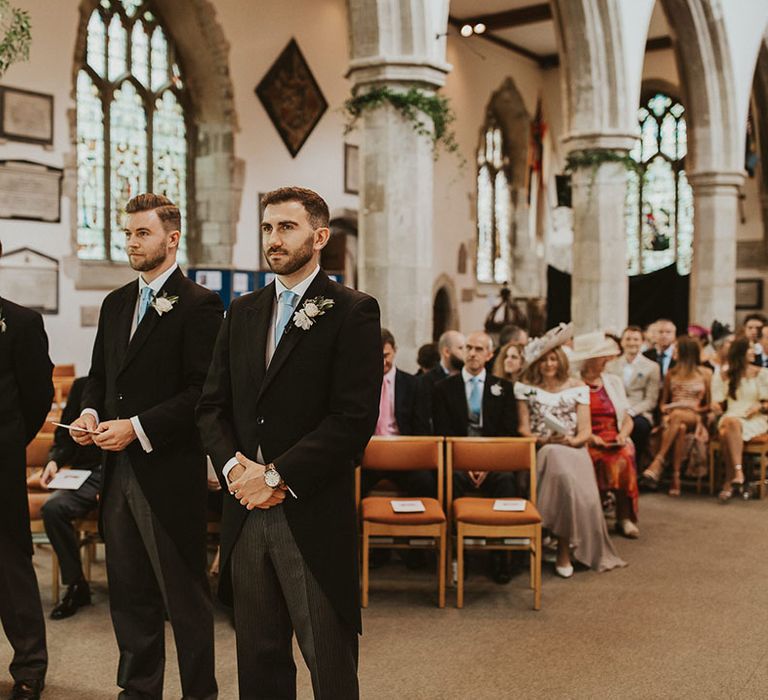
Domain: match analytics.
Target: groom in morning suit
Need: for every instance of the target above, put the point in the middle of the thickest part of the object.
(151, 354)
(289, 405)
(26, 392)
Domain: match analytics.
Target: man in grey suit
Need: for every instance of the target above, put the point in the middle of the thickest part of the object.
(642, 379)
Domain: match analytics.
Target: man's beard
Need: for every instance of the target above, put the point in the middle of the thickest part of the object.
(149, 262)
(456, 363)
(293, 261)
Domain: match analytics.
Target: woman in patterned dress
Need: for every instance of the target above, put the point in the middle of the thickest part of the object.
(684, 403)
(554, 409)
(742, 392)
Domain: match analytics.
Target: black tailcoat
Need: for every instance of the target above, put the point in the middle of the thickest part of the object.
(405, 401)
(26, 392)
(158, 375)
(312, 412)
(451, 412)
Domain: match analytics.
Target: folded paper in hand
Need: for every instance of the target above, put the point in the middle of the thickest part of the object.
(69, 479)
(555, 425)
(75, 427)
(407, 506)
(511, 505)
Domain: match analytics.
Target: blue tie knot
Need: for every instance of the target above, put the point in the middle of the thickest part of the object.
(145, 300)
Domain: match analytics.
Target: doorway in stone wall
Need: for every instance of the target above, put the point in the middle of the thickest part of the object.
(442, 313)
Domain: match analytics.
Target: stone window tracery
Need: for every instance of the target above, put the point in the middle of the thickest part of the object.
(132, 124)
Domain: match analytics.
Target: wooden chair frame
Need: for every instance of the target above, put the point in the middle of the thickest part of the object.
(436, 531)
(463, 530)
(759, 449)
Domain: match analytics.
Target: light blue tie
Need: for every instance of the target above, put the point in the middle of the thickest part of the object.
(145, 301)
(285, 303)
(475, 398)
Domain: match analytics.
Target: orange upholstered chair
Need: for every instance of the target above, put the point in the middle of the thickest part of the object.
(475, 518)
(401, 529)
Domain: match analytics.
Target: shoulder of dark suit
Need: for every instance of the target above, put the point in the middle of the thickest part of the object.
(18, 312)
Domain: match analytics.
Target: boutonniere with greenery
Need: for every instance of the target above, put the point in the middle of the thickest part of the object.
(306, 316)
(530, 393)
(496, 389)
(3, 325)
(164, 303)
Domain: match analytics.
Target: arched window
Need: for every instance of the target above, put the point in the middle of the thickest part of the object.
(132, 131)
(494, 250)
(660, 200)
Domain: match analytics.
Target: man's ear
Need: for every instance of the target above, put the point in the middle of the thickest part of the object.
(322, 236)
(174, 238)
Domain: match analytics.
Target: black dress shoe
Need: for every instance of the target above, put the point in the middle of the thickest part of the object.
(27, 690)
(501, 570)
(77, 595)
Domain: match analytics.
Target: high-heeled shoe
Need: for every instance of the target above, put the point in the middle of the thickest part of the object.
(650, 477)
(564, 571)
(725, 495)
(738, 477)
(674, 489)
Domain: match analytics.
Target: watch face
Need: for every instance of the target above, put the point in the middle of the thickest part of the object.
(272, 478)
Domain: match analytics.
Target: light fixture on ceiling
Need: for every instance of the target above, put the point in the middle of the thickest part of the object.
(467, 31)
(479, 28)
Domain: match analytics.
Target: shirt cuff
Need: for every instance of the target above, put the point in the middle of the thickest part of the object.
(90, 412)
(143, 439)
(228, 468)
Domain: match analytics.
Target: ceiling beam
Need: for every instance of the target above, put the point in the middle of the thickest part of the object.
(510, 46)
(512, 18)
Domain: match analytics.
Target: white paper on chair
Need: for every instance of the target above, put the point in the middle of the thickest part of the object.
(555, 425)
(70, 479)
(510, 505)
(407, 506)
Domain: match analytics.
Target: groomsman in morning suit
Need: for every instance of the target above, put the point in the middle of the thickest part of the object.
(289, 405)
(473, 403)
(26, 392)
(151, 354)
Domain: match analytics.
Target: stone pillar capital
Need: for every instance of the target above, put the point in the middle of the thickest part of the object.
(405, 70)
(708, 181)
(599, 141)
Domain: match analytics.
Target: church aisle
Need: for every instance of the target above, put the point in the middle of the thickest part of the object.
(679, 621)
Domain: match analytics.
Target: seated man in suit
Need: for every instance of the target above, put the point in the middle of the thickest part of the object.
(65, 506)
(473, 403)
(398, 394)
(665, 345)
(642, 378)
(451, 348)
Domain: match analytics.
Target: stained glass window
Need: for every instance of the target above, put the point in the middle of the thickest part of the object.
(494, 249)
(659, 211)
(132, 133)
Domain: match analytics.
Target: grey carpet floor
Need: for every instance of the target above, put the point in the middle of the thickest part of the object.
(688, 618)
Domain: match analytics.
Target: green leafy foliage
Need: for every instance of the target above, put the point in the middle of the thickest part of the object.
(15, 35)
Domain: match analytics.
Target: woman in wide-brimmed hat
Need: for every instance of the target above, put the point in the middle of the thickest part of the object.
(610, 446)
(554, 408)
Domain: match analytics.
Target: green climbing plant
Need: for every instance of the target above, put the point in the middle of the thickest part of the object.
(413, 104)
(592, 159)
(15, 35)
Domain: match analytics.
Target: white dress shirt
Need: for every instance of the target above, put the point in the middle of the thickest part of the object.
(300, 290)
(155, 285)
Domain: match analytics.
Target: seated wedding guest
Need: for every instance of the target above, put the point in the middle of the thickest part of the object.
(450, 345)
(649, 338)
(641, 378)
(742, 392)
(610, 447)
(398, 393)
(722, 337)
(472, 403)
(64, 506)
(554, 408)
(508, 334)
(662, 351)
(684, 403)
(427, 358)
(753, 329)
(509, 362)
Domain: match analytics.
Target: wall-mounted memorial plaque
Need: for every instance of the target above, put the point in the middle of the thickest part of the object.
(30, 191)
(26, 116)
(30, 278)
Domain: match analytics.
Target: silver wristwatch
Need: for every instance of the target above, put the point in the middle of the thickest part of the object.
(271, 477)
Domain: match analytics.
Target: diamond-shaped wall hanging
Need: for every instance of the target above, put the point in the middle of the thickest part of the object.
(292, 97)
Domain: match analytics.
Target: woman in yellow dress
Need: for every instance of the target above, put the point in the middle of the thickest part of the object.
(742, 392)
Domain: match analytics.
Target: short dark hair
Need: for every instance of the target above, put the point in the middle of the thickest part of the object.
(755, 317)
(511, 333)
(313, 203)
(632, 329)
(428, 356)
(165, 209)
(387, 337)
(666, 320)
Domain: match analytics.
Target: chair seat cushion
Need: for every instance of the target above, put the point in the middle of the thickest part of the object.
(378, 509)
(36, 501)
(479, 511)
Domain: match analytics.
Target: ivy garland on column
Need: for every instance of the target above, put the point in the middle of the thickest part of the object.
(411, 104)
(593, 158)
(15, 35)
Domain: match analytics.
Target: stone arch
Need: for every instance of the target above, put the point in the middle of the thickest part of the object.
(343, 227)
(760, 111)
(216, 175)
(445, 309)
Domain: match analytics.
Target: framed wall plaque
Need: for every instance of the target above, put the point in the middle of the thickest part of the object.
(351, 169)
(30, 191)
(749, 294)
(26, 116)
(30, 278)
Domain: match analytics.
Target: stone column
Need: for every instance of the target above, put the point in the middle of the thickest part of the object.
(599, 290)
(713, 273)
(396, 195)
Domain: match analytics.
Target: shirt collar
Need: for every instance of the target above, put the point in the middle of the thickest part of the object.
(157, 284)
(299, 289)
(466, 376)
(390, 376)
